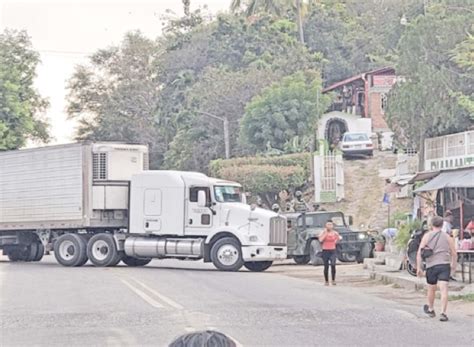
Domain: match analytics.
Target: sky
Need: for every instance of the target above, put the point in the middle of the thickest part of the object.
(66, 32)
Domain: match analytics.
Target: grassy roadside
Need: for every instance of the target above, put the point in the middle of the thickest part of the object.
(465, 297)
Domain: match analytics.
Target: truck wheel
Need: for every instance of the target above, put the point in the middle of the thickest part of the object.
(102, 250)
(347, 258)
(39, 252)
(364, 253)
(17, 254)
(257, 266)
(32, 251)
(301, 259)
(132, 261)
(70, 250)
(314, 249)
(226, 254)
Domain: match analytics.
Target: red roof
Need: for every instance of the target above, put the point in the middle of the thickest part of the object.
(356, 77)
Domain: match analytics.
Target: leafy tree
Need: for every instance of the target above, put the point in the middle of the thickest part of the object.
(218, 93)
(430, 101)
(276, 7)
(115, 97)
(284, 110)
(21, 106)
(234, 60)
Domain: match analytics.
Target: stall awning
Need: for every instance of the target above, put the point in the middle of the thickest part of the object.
(450, 179)
(423, 176)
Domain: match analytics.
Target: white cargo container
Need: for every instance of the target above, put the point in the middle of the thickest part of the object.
(98, 202)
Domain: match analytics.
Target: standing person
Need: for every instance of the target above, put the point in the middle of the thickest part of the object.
(440, 257)
(448, 222)
(328, 239)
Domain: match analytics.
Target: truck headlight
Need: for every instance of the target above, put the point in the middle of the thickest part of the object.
(253, 238)
(362, 236)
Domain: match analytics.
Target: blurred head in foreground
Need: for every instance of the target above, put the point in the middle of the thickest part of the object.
(206, 338)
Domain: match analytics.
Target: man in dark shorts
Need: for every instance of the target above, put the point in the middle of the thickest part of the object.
(439, 265)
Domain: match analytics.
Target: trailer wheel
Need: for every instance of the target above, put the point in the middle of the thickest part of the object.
(226, 254)
(257, 266)
(102, 251)
(18, 254)
(39, 252)
(70, 250)
(132, 261)
(32, 251)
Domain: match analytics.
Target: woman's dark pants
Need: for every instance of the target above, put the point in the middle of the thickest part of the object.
(329, 256)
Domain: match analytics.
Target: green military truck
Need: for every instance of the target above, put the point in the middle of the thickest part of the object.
(305, 227)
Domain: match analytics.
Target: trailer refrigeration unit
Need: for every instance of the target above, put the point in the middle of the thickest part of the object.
(99, 202)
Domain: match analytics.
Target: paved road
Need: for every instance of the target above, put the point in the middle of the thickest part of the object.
(46, 304)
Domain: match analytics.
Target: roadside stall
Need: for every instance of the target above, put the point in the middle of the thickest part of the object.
(450, 190)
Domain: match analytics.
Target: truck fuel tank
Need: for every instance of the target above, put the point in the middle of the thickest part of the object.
(143, 247)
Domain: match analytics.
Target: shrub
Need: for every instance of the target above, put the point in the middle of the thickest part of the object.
(404, 233)
(265, 179)
(302, 160)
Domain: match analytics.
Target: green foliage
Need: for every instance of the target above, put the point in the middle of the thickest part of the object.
(286, 109)
(404, 233)
(301, 160)
(434, 100)
(20, 104)
(115, 97)
(265, 179)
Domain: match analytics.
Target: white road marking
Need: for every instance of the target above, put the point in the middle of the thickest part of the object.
(160, 296)
(142, 295)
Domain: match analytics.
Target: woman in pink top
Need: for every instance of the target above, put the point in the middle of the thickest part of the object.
(328, 239)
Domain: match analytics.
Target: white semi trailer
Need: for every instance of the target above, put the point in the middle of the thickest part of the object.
(99, 202)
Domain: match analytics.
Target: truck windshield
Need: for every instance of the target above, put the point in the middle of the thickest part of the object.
(319, 220)
(228, 194)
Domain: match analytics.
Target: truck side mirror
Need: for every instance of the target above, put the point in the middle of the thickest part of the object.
(351, 220)
(201, 198)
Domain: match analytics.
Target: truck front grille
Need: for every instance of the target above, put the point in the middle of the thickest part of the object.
(349, 236)
(278, 234)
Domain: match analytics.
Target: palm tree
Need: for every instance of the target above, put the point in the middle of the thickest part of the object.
(275, 7)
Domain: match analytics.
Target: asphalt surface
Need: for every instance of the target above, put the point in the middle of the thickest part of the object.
(47, 304)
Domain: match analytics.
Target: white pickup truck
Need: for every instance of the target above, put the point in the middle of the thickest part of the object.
(98, 202)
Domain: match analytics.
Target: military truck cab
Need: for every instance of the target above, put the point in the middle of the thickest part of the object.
(305, 228)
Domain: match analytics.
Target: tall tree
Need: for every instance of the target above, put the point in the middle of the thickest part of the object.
(430, 101)
(276, 7)
(21, 107)
(115, 97)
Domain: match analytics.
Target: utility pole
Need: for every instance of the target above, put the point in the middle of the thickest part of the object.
(226, 130)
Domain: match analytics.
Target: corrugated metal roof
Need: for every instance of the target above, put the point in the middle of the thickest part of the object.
(450, 179)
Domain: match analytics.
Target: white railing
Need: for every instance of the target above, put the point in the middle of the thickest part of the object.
(450, 151)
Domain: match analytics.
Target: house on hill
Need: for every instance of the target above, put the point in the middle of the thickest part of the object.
(359, 105)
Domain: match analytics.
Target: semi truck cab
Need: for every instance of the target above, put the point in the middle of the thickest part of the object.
(189, 213)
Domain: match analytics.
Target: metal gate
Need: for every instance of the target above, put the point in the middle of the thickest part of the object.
(328, 178)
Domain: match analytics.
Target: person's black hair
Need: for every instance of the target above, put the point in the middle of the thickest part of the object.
(206, 338)
(329, 221)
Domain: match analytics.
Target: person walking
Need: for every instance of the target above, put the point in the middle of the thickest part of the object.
(439, 253)
(328, 239)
